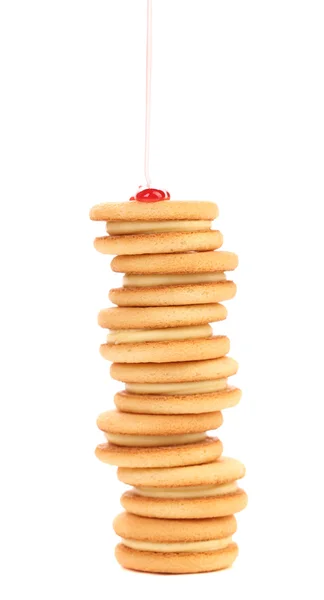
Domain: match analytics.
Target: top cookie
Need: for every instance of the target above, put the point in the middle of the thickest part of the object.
(157, 211)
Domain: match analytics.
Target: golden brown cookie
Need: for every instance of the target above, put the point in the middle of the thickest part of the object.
(117, 422)
(185, 508)
(172, 351)
(199, 370)
(159, 317)
(144, 529)
(178, 404)
(181, 562)
(156, 243)
(221, 471)
(158, 211)
(207, 450)
(173, 295)
(190, 262)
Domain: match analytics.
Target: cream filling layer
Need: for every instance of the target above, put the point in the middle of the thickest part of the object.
(198, 491)
(129, 336)
(138, 441)
(177, 279)
(204, 546)
(177, 389)
(129, 227)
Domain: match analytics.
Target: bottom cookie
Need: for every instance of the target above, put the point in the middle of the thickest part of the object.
(176, 562)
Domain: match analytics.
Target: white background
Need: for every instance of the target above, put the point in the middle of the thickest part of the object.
(237, 116)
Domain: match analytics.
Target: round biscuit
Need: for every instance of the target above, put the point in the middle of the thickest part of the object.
(173, 295)
(187, 508)
(157, 457)
(172, 562)
(180, 210)
(177, 405)
(134, 527)
(115, 421)
(200, 370)
(160, 317)
(156, 243)
(189, 262)
(173, 351)
(221, 471)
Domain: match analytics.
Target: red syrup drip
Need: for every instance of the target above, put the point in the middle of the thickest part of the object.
(151, 195)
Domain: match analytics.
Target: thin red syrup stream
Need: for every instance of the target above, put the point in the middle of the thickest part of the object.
(149, 194)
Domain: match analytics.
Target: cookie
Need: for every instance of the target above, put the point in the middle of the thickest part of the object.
(173, 351)
(173, 295)
(191, 262)
(123, 423)
(199, 370)
(159, 211)
(191, 492)
(173, 562)
(177, 404)
(199, 452)
(134, 527)
(224, 470)
(156, 243)
(160, 317)
(186, 508)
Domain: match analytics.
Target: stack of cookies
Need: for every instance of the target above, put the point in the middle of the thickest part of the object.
(180, 510)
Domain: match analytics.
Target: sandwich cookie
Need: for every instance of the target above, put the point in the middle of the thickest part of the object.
(157, 545)
(173, 295)
(177, 404)
(190, 262)
(136, 440)
(160, 211)
(175, 350)
(156, 243)
(161, 317)
(191, 371)
(189, 492)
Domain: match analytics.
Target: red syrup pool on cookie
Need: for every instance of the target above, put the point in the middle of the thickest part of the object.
(151, 195)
